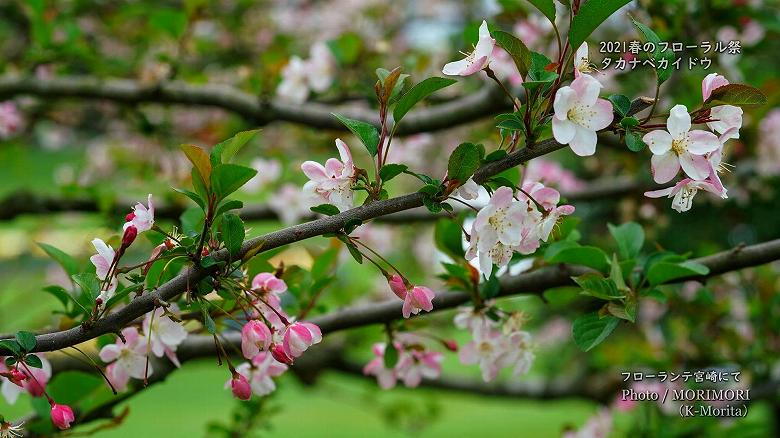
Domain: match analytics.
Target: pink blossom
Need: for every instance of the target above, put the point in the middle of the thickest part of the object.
(266, 282)
(468, 191)
(268, 172)
(128, 359)
(414, 365)
(299, 336)
(769, 144)
(597, 426)
(142, 217)
(579, 113)
(102, 262)
(290, 204)
(163, 334)
(548, 198)
(397, 285)
(680, 147)
(419, 298)
(385, 377)
(10, 119)
(504, 67)
(259, 374)
(333, 182)
(476, 60)
(255, 336)
(278, 353)
(551, 173)
(33, 381)
(62, 416)
(240, 387)
(533, 30)
(727, 118)
(488, 349)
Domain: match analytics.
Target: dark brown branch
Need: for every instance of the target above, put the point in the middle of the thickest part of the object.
(21, 203)
(485, 102)
(139, 306)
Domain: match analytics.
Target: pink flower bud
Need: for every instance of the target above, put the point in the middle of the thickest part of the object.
(397, 285)
(130, 216)
(277, 351)
(240, 387)
(450, 344)
(17, 376)
(129, 237)
(35, 387)
(255, 336)
(61, 416)
(299, 336)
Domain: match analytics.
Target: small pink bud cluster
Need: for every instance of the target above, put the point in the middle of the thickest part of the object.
(270, 341)
(416, 298)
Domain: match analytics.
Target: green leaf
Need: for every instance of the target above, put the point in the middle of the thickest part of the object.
(737, 95)
(365, 132)
(351, 224)
(546, 7)
(60, 293)
(490, 288)
(463, 162)
(616, 274)
(10, 361)
(629, 237)
(223, 152)
(169, 20)
(382, 74)
(621, 103)
(227, 205)
(26, 340)
(11, 346)
(589, 17)
(227, 178)
(324, 263)
(192, 195)
(67, 262)
(326, 209)
(662, 73)
(208, 321)
(496, 155)
(90, 286)
(590, 330)
(579, 255)
(417, 93)
(390, 171)
(353, 250)
(597, 286)
(516, 49)
(200, 161)
(629, 122)
(449, 238)
(233, 232)
(33, 361)
(664, 272)
(391, 355)
(634, 141)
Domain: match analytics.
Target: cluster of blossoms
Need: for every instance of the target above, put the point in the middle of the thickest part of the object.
(10, 119)
(498, 341)
(332, 183)
(106, 260)
(22, 378)
(514, 222)
(698, 152)
(300, 77)
(270, 340)
(129, 355)
(414, 362)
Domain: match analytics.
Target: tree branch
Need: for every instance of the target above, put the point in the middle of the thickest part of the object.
(485, 102)
(139, 306)
(23, 202)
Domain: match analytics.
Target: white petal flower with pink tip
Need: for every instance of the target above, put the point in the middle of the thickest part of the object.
(488, 349)
(727, 119)
(684, 191)
(294, 87)
(413, 365)
(299, 336)
(385, 377)
(255, 337)
(476, 60)
(163, 334)
(680, 147)
(332, 183)
(128, 359)
(581, 60)
(579, 113)
(548, 197)
(142, 216)
(260, 373)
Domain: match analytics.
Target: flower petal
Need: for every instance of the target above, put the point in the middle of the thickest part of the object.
(584, 142)
(659, 142)
(679, 121)
(664, 167)
(695, 166)
(700, 142)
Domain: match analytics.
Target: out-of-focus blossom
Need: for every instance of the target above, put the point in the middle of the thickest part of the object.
(414, 363)
(259, 373)
(127, 359)
(550, 173)
(321, 67)
(597, 426)
(769, 144)
(33, 381)
(579, 113)
(333, 182)
(385, 377)
(268, 172)
(163, 334)
(504, 67)
(10, 119)
(294, 86)
(290, 204)
(468, 191)
(533, 30)
(680, 147)
(476, 60)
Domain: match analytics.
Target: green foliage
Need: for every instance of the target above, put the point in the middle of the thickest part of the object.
(516, 49)
(391, 170)
(326, 209)
(634, 141)
(227, 178)
(590, 330)
(391, 355)
(397, 85)
(365, 132)
(201, 164)
(33, 361)
(449, 238)
(225, 151)
(567, 251)
(417, 93)
(659, 55)
(663, 271)
(68, 263)
(737, 95)
(90, 287)
(629, 237)
(26, 340)
(596, 285)
(589, 17)
(621, 103)
(463, 162)
(546, 7)
(232, 233)
(346, 48)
